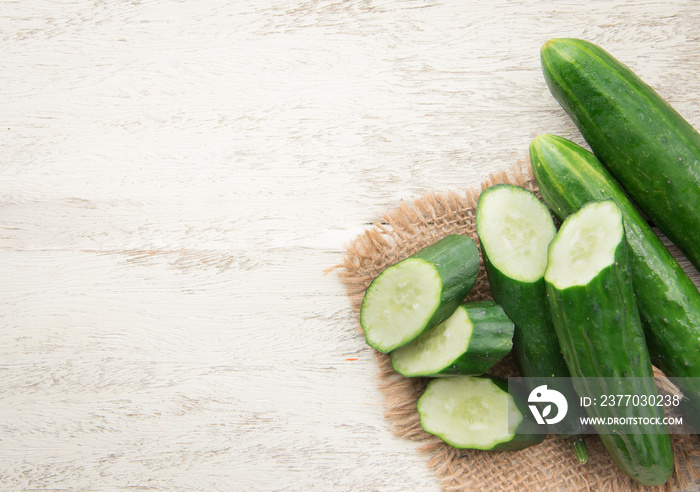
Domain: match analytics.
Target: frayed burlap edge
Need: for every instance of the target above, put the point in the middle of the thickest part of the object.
(549, 466)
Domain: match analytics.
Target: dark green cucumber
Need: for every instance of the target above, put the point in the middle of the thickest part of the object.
(515, 229)
(471, 341)
(469, 412)
(569, 176)
(595, 315)
(418, 292)
(650, 149)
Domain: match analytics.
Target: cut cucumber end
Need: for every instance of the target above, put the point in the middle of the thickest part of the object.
(585, 245)
(468, 412)
(515, 229)
(433, 350)
(399, 303)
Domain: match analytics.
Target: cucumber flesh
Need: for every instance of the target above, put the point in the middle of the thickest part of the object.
(517, 229)
(471, 341)
(399, 301)
(470, 412)
(585, 246)
(418, 292)
(432, 351)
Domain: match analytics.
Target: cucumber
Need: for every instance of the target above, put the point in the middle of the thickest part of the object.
(646, 145)
(597, 322)
(418, 292)
(471, 341)
(568, 177)
(469, 412)
(515, 229)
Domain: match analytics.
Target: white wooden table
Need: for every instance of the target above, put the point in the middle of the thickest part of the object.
(175, 178)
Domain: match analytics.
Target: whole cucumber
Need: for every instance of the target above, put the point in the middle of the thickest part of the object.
(568, 177)
(646, 145)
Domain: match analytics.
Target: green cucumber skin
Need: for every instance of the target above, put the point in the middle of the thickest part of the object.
(568, 177)
(456, 259)
(650, 149)
(535, 344)
(491, 341)
(614, 349)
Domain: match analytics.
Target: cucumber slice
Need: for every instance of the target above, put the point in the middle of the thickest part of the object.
(515, 229)
(585, 245)
(470, 412)
(419, 292)
(597, 321)
(471, 341)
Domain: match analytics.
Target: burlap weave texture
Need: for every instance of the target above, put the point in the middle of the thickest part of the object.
(548, 466)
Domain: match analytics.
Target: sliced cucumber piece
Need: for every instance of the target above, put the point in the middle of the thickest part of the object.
(586, 245)
(419, 292)
(471, 341)
(469, 412)
(399, 302)
(515, 229)
(595, 316)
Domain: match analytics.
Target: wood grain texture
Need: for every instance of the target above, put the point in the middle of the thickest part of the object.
(176, 177)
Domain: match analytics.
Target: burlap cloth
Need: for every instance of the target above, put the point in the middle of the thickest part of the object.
(548, 466)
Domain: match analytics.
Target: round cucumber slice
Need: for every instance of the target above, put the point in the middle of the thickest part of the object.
(471, 341)
(516, 228)
(399, 301)
(419, 292)
(585, 244)
(470, 412)
(436, 349)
